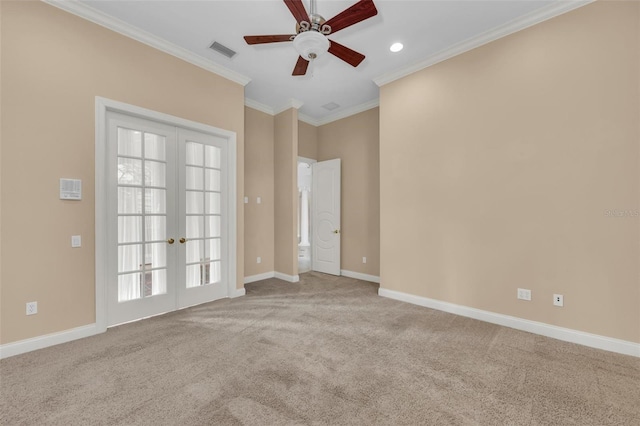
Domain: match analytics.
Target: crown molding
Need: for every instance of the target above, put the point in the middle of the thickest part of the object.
(291, 103)
(309, 120)
(295, 103)
(90, 14)
(269, 110)
(511, 27)
(349, 112)
(259, 106)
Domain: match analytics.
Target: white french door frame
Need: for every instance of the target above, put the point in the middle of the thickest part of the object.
(104, 105)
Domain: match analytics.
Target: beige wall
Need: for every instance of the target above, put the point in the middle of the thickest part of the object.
(53, 66)
(286, 191)
(259, 218)
(307, 140)
(355, 140)
(497, 168)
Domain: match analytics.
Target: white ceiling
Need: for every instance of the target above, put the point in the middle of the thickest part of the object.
(430, 31)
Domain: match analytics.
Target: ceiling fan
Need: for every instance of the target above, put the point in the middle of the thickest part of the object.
(310, 40)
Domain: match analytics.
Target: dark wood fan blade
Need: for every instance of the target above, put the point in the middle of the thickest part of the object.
(351, 57)
(297, 10)
(360, 11)
(260, 39)
(301, 66)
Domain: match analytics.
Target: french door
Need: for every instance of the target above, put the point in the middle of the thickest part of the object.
(203, 225)
(167, 233)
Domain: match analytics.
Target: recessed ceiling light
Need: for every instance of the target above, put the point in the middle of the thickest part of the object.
(396, 47)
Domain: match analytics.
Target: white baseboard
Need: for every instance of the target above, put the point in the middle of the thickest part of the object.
(360, 276)
(238, 293)
(285, 277)
(40, 342)
(259, 277)
(568, 335)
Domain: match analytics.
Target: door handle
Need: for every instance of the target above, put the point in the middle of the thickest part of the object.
(170, 240)
(183, 240)
(337, 231)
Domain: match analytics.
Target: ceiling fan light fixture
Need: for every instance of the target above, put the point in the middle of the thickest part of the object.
(310, 44)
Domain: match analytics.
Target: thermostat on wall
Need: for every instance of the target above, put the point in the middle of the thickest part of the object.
(70, 189)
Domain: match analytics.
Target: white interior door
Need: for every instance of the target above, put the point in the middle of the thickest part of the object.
(142, 223)
(168, 230)
(326, 216)
(203, 204)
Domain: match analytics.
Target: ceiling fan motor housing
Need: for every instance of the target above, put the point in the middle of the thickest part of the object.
(316, 23)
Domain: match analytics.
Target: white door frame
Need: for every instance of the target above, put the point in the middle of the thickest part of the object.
(101, 187)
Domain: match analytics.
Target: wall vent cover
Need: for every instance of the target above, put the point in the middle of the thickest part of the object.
(222, 49)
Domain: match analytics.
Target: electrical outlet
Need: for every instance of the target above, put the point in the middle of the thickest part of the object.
(246, 200)
(364, 260)
(259, 260)
(558, 300)
(32, 308)
(524, 294)
(258, 200)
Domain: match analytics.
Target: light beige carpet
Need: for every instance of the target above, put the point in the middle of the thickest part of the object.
(326, 350)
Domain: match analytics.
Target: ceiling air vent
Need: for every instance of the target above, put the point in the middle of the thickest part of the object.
(224, 50)
(331, 106)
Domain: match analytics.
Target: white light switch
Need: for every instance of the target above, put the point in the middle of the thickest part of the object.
(246, 200)
(258, 200)
(76, 241)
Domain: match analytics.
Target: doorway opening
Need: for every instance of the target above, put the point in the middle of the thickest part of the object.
(304, 217)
